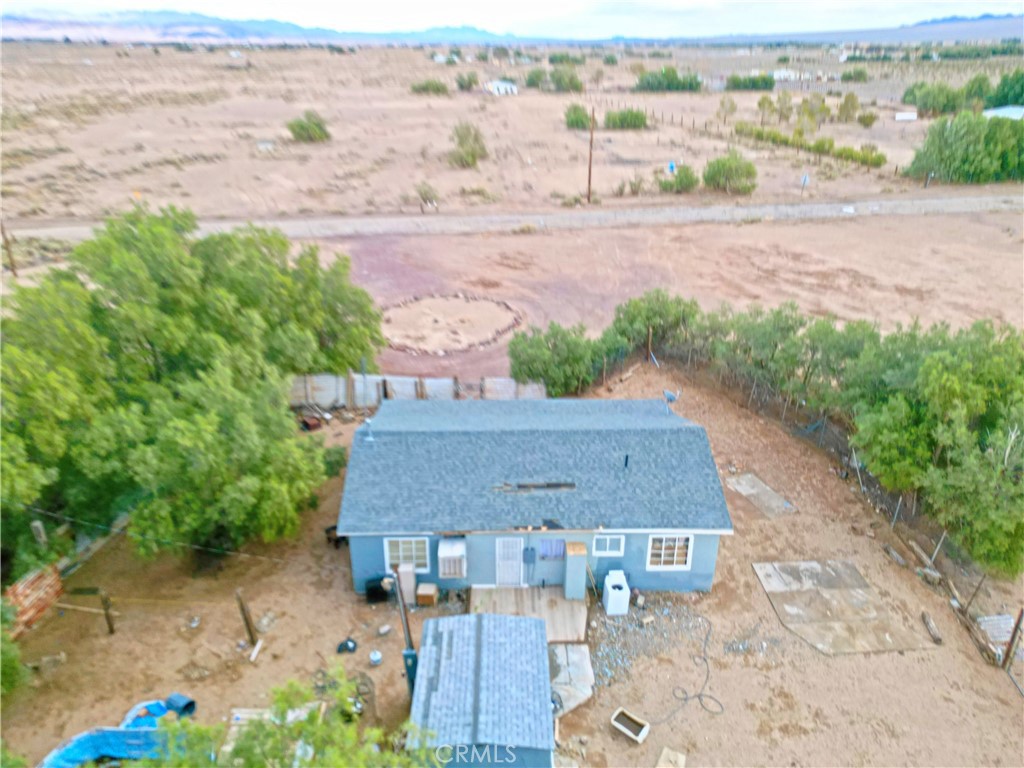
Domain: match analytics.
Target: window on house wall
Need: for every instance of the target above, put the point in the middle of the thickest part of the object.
(552, 549)
(609, 546)
(668, 553)
(408, 550)
(451, 558)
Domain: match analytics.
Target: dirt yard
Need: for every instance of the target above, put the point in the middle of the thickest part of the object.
(88, 130)
(784, 703)
(891, 270)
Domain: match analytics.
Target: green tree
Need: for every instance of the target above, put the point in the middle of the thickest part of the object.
(766, 106)
(978, 90)
(151, 376)
(849, 108)
(609, 60)
(303, 729)
(726, 108)
(784, 106)
(563, 358)
(1009, 91)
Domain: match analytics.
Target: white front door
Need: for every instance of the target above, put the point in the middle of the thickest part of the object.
(510, 563)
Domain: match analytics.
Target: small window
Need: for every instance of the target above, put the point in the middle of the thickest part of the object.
(411, 550)
(451, 559)
(609, 546)
(552, 549)
(668, 553)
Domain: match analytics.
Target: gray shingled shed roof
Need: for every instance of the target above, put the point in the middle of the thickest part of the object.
(484, 679)
(475, 465)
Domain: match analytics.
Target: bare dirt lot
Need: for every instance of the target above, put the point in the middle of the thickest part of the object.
(784, 703)
(891, 270)
(89, 129)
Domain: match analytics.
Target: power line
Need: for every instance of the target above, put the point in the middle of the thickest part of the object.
(141, 537)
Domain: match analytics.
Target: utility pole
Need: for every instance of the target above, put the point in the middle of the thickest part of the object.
(105, 602)
(250, 628)
(590, 161)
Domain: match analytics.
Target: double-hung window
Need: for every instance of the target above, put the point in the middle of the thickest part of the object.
(414, 550)
(669, 553)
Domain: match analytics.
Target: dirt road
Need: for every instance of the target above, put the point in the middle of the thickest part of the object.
(349, 226)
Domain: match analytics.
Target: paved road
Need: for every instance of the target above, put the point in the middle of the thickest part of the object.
(590, 218)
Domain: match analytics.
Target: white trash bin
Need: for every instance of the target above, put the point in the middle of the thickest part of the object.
(616, 594)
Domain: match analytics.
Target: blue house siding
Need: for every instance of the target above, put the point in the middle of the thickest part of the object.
(367, 557)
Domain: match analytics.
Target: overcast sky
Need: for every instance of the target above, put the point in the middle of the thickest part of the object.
(561, 18)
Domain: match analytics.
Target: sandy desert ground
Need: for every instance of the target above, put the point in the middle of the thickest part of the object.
(89, 130)
(784, 703)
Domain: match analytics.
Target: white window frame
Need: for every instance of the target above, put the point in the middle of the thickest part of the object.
(401, 539)
(609, 537)
(674, 567)
(451, 555)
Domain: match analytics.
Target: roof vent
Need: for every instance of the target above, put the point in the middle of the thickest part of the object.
(369, 431)
(626, 466)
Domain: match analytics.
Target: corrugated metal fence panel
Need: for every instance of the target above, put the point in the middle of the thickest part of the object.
(492, 388)
(402, 387)
(439, 389)
(365, 390)
(531, 390)
(32, 595)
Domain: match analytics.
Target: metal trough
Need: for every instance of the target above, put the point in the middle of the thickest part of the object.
(631, 725)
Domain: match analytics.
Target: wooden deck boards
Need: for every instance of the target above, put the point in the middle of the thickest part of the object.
(565, 620)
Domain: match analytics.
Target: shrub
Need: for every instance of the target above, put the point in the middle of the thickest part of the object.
(12, 671)
(731, 174)
(782, 60)
(565, 80)
(467, 81)
(430, 87)
(610, 60)
(683, 180)
(535, 78)
(855, 75)
(335, 460)
(626, 119)
(934, 99)
(556, 59)
(750, 82)
(469, 146)
(576, 117)
(666, 80)
(867, 119)
(309, 128)
(426, 193)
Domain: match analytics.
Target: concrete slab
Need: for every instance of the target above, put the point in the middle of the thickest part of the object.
(669, 758)
(831, 606)
(572, 674)
(769, 503)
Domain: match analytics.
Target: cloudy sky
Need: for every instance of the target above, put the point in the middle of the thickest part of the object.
(562, 18)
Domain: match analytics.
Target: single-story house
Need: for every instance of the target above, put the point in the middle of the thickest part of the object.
(482, 694)
(533, 493)
(501, 88)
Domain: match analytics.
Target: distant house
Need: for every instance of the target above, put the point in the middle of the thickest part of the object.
(1009, 112)
(501, 88)
(440, 58)
(482, 692)
(491, 493)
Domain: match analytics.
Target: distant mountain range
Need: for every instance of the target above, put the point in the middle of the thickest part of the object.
(171, 26)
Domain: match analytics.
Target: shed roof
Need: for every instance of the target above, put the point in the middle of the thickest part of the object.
(429, 466)
(1010, 112)
(484, 679)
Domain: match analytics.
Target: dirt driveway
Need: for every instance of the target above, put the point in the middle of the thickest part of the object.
(784, 703)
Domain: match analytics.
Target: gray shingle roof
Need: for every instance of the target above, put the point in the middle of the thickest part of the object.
(484, 679)
(427, 466)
